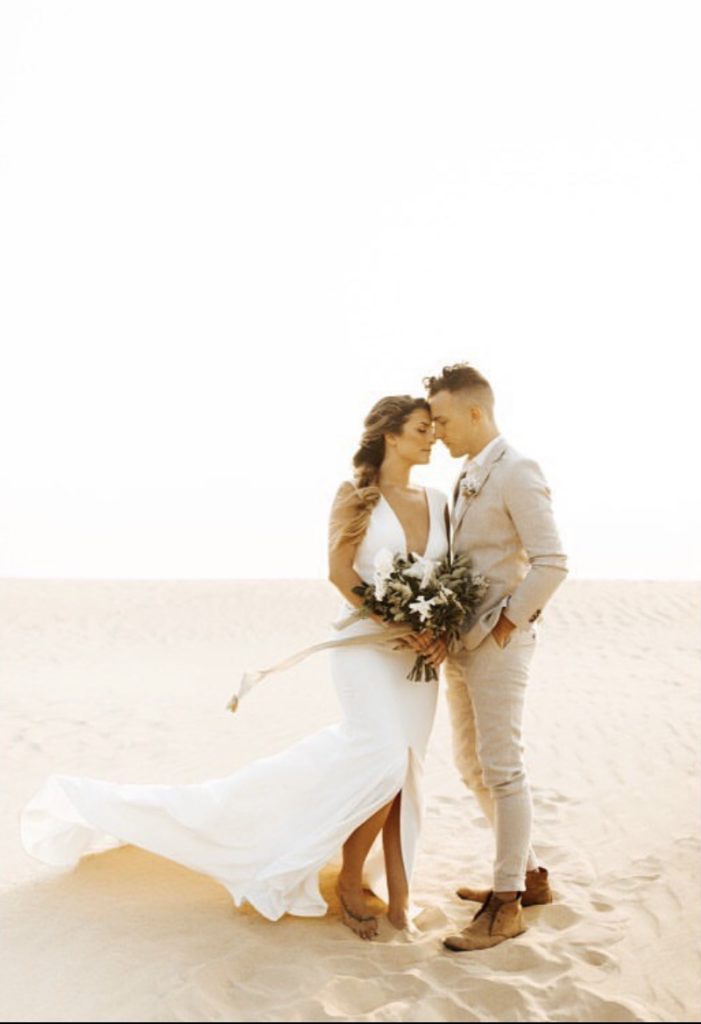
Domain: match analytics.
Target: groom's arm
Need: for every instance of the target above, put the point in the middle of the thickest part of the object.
(528, 501)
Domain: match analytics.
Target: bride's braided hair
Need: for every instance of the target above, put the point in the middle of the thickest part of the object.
(387, 416)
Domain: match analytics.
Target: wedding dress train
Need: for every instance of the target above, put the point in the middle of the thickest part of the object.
(265, 831)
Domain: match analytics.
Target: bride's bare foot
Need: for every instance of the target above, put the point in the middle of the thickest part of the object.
(398, 917)
(355, 911)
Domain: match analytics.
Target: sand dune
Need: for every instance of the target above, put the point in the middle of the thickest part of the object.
(128, 681)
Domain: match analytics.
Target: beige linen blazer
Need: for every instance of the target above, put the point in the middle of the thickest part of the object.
(506, 526)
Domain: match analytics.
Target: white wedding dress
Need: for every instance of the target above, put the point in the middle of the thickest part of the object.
(266, 830)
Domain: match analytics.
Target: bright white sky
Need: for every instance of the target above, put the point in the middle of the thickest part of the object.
(226, 229)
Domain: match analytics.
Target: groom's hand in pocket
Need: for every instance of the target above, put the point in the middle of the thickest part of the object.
(502, 630)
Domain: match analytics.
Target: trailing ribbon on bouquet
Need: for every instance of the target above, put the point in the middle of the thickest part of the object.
(388, 636)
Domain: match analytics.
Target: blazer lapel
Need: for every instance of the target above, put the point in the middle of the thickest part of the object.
(480, 478)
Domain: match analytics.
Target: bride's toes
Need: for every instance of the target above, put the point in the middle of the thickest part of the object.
(355, 914)
(365, 929)
(364, 926)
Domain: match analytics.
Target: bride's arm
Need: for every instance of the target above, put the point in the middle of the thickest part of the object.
(342, 552)
(341, 558)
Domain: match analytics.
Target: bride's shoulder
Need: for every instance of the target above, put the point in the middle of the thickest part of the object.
(344, 490)
(349, 497)
(344, 498)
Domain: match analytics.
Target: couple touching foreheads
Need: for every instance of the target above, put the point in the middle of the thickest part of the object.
(267, 830)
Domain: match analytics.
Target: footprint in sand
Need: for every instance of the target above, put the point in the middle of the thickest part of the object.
(602, 906)
(432, 917)
(558, 916)
(596, 958)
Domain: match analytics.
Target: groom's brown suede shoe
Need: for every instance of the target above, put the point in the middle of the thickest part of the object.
(495, 921)
(537, 890)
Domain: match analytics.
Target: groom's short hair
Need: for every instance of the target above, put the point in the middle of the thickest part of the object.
(460, 377)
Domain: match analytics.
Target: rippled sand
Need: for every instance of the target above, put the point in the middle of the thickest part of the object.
(128, 681)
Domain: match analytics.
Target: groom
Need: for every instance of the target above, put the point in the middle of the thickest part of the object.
(502, 518)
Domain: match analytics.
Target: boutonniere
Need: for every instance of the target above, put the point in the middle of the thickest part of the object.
(470, 483)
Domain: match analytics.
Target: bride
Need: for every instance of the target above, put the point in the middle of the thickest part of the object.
(265, 831)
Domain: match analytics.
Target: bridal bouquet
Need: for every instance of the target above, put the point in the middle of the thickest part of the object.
(425, 593)
(411, 593)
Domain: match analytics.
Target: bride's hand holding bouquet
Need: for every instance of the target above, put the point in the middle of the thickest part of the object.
(434, 597)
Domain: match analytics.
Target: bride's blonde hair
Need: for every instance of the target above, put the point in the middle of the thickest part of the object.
(355, 502)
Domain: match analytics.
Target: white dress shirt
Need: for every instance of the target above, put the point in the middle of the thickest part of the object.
(479, 458)
(470, 464)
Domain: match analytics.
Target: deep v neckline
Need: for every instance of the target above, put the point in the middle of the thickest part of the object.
(401, 527)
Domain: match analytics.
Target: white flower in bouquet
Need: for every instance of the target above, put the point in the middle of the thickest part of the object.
(384, 562)
(384, 565)
(422, 607)
(422, 569)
